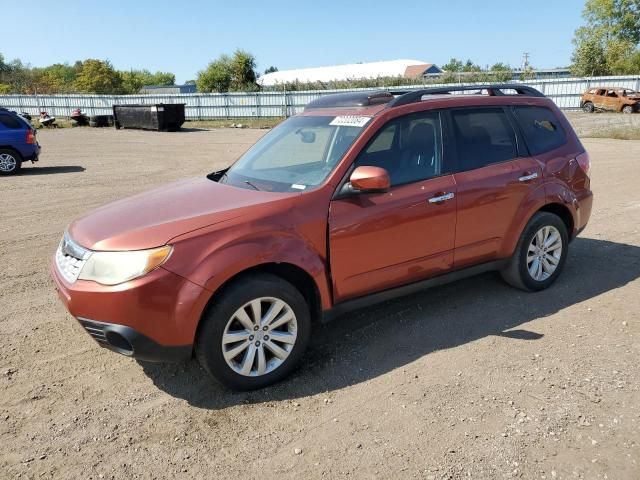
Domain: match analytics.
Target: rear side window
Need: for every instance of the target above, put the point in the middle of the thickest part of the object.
(483, 136)
(541, 128)
(10, 122)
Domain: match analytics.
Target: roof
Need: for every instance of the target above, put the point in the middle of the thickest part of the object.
(186, 88)
(416, 71)
(392, 68)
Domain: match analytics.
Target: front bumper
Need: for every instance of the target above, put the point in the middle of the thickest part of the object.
(154, 317)
(128, 341)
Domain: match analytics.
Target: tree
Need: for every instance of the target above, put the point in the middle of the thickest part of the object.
(57, 78)
(608, 42)
(134, 80)
(97, 76)
(501, 72)
(229, 73)
(216, 77)
(454, 65)
(243, 71)
(271, 69)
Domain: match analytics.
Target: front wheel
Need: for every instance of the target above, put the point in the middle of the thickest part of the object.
(255, 333)
(627, 109)
(588, 107)
(540, 253)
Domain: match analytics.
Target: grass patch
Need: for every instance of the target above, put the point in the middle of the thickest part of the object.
(617, 133)
(229, 122)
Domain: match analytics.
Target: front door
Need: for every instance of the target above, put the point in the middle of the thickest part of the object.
(382, 240)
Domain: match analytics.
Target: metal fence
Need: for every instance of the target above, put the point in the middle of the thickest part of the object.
(564, 92)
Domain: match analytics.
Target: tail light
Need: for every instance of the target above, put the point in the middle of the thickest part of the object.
(31, 137)
(584, 162)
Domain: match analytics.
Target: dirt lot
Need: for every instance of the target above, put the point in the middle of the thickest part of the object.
(471, 380)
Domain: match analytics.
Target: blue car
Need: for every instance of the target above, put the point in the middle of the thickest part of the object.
(17, 142)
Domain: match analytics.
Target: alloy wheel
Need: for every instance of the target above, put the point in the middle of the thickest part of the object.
(544, 253)
(259, 336)
(7, 162)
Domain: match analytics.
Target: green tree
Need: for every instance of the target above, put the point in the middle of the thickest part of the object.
(501, 72)
(229, 73)
(608, 42)
(134, 80)
(57, 78)
(271, 69)
(454, 65)
(216, 77)
(97, 76)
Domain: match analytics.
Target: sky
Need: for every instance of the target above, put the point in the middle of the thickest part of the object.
(182, 37)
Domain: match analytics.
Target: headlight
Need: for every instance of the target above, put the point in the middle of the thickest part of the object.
(111, 268)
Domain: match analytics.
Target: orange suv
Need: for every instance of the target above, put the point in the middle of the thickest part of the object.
(614, 99)
(360, 198)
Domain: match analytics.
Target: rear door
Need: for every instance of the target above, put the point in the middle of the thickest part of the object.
(611, 101)
(493, 177)
(383, 240)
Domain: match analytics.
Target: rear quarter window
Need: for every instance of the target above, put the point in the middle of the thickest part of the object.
(8, 121)
(541, 128)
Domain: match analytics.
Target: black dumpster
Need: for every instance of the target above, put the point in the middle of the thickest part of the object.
(166, 117)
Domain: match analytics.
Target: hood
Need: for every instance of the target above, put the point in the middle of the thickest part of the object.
(152, 218)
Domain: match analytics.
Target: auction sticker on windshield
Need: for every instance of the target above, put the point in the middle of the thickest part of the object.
(350, 121)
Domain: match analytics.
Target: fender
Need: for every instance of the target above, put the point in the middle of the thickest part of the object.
(528, 207)
(221, 255)
(559, 193)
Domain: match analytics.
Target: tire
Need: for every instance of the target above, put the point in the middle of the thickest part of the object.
(627, 109)
(10, 162)
(93, 123)
(222, 318)
(517, 272)
(588, 107)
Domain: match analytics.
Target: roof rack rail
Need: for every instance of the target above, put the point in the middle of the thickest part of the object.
(413, 96)
(351, 99)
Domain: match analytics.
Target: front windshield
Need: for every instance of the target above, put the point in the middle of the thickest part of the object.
(296, 155)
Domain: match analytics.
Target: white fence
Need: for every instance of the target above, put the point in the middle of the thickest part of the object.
(564, 92)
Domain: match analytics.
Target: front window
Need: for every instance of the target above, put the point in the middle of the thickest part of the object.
(296, 155)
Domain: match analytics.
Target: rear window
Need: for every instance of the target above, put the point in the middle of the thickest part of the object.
(8, 121)
(541, 128)
(484, 136)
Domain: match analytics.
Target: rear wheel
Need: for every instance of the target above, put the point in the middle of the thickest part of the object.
(10, 162)
(588, 107)
(540, 253)
(627, 109)
(255, 333)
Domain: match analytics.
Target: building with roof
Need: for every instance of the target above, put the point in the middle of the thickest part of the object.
(355, 71)
(168, 89)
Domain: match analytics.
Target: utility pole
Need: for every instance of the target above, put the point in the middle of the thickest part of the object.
(525, 61)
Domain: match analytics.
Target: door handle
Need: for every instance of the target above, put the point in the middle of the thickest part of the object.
(442, 198)
(529, 176)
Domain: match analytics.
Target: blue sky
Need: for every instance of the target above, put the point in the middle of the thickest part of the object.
(183, 36)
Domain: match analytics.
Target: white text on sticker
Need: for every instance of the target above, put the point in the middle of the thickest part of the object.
(350, 121)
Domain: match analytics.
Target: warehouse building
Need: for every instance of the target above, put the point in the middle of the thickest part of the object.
(355, 71)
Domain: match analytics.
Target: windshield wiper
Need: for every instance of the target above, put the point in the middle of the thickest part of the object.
(251, 185)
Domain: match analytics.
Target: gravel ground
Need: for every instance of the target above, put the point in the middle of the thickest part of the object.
(603, 124)
(470, 380)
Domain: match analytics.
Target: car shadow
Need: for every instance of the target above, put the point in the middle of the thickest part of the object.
(51, 170)
(371, 342)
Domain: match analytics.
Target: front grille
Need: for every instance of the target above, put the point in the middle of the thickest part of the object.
(70, 258)
(95, 329)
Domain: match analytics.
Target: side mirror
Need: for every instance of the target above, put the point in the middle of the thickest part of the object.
(368, 179)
